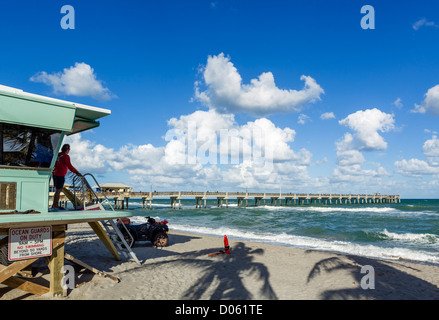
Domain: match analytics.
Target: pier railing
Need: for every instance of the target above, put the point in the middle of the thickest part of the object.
(260, 198)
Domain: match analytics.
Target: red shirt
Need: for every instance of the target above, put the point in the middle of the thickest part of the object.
(62, 164)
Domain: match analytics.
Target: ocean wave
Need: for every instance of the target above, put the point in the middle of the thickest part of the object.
(426, 238)
(331, 209)
(305, 242)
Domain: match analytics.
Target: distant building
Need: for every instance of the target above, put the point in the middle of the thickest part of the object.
(113, 187)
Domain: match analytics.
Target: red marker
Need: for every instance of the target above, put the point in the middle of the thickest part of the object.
(226, 248)
(226, 245)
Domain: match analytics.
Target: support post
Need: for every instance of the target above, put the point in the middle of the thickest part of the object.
(56, 262)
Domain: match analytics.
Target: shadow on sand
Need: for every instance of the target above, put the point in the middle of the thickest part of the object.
(227, 272)
(389, 282)
(222, 276)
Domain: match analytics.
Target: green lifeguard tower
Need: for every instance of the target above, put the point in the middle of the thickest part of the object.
(32, 128)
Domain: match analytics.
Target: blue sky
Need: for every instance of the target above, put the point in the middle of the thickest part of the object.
(237, 65)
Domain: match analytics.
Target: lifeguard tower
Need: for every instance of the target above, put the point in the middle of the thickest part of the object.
(32, 128)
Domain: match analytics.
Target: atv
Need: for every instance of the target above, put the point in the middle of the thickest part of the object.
(152, 230)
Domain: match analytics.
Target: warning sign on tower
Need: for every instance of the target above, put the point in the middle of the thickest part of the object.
(27, 243)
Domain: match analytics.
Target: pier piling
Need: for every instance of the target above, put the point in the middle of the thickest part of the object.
(121, 200)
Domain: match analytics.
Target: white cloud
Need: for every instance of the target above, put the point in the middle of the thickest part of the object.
(430, 103)
(398, 103)
(424, 23)
(303, 118)
(327, 116)
(431, 147)
(218, 134)
(256, 154)
(226, 93)
(347, 155)
(350, 159)
(415, 167)
(366, 125)
(431, 150)
(86, 156)
(78, 80)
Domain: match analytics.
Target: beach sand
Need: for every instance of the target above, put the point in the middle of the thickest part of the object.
(183, 270)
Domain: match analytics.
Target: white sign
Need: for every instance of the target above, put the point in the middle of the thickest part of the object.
(27, 243)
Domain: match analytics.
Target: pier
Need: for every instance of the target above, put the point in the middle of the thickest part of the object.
(121, 199)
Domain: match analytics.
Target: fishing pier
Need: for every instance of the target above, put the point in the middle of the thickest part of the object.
(121, 199)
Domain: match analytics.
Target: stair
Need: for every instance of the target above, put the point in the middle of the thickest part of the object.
(107, 230)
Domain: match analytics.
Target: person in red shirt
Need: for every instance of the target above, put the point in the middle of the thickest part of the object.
(62, 164)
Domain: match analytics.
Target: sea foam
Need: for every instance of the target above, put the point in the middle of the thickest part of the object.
(304, 242)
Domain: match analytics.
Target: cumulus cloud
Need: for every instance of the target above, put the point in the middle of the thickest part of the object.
(88, 156)
(203, 149)
(431, 147)
(416, 167)
(303, 118)
(366, 125)
(211, 135)
(226, 93)
(430, 103)
(398, 103)
(327, 116)
(350, 159)
(78, 80)
(347, 155)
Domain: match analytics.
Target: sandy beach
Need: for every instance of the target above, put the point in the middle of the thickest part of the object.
(184, 271)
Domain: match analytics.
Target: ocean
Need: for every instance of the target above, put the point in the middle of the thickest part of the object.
(408, 230)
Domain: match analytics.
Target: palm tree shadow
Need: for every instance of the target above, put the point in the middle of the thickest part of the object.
(389, 282)
(227, 273)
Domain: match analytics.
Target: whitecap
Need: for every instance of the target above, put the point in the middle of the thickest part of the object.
(305, 242)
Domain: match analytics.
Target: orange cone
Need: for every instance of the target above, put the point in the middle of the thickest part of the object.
(226, 245)
(226, 248)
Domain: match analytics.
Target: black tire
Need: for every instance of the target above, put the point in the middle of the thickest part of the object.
(4, 255)
(160, 239)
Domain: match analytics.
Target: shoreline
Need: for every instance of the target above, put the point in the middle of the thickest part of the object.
(370, 251)
(328, 251)
(253, 271)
